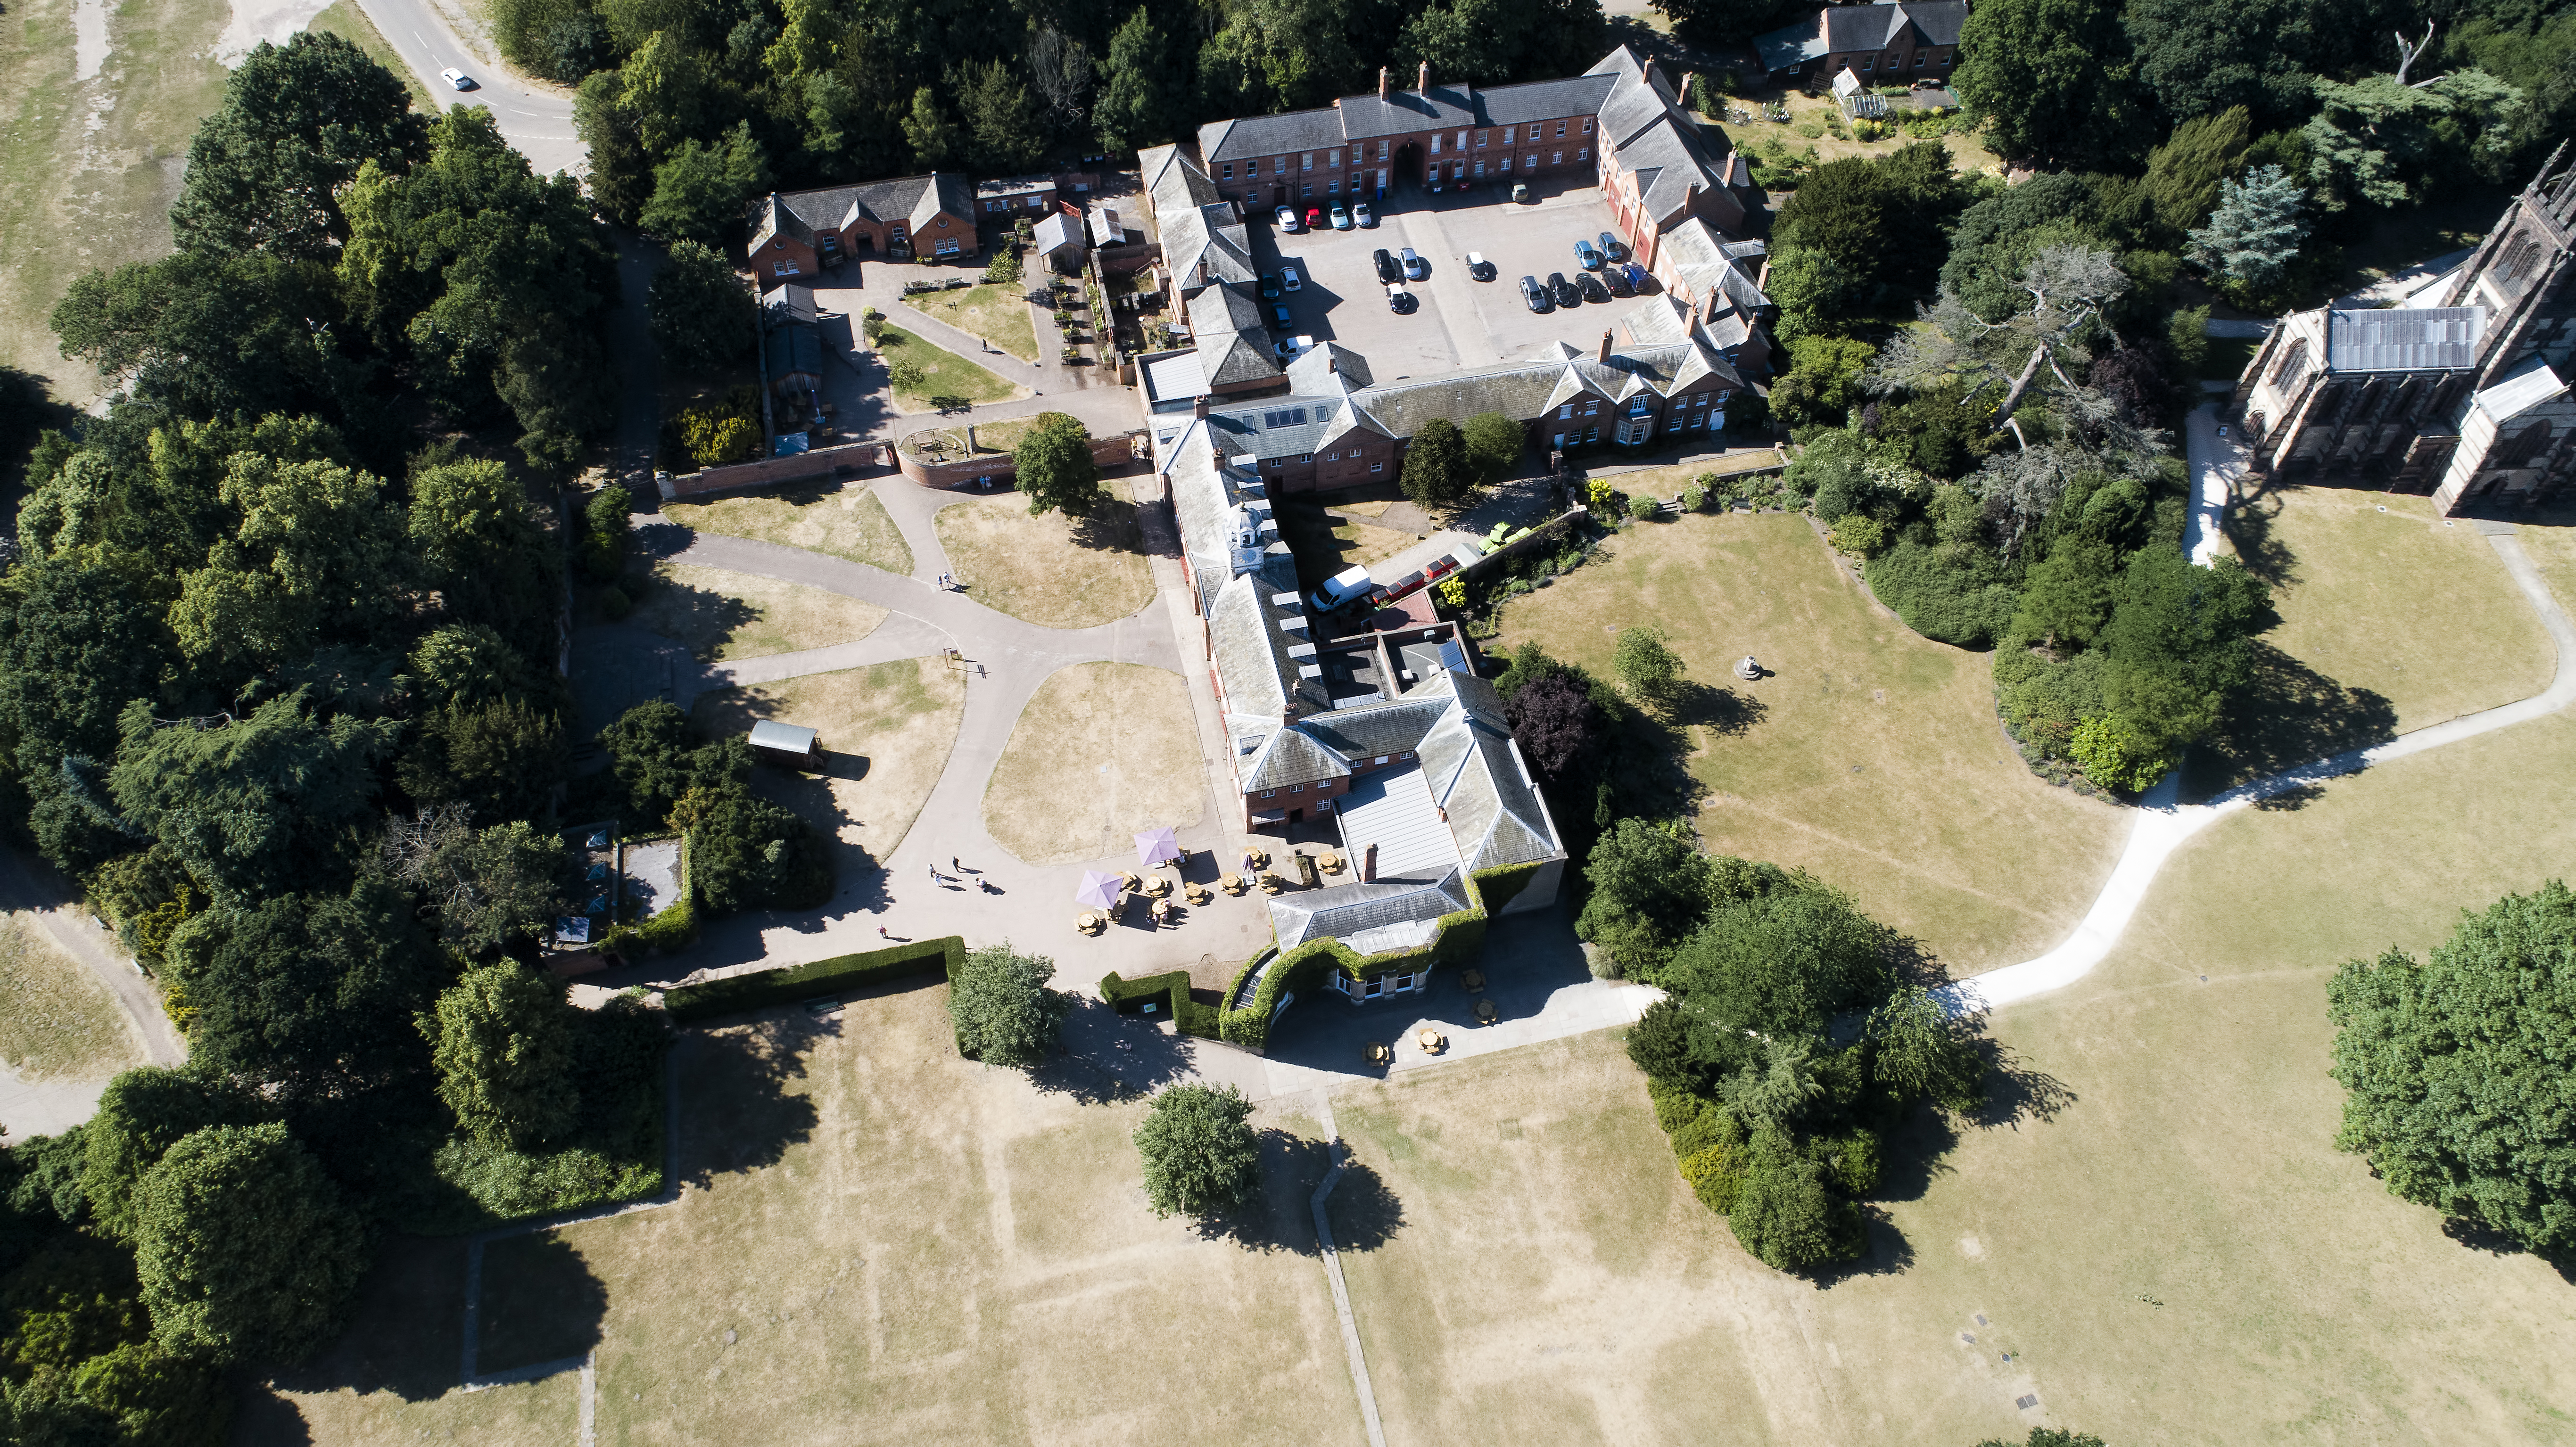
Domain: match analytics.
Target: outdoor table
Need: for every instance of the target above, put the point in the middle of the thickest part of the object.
(1375, 1053)
(1329, 862)
(1195, 894)
(1158, 886)
(1086, 922)
(1270, 884)
(1256, 859)
(1431, 1042)
(1471, 980)
(1128, 879)
(1485, 1012)
(1162, 910)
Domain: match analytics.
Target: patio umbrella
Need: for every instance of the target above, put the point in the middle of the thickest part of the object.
(1157, 846)
(1099, 890)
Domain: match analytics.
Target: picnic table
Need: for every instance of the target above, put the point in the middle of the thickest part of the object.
(1162, 911)
(1234, 883)
(1089, 923)
(1376, 1052)
(1158, 886)
(1485, 1012)
(1272, 884)
(1329, 862)
(1195, 893)
(1431, 1041)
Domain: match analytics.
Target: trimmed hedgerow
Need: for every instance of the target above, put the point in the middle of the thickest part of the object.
(816, 977)
(1498, 887)
(1301, 970)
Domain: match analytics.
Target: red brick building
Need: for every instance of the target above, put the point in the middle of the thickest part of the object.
(797, 233)
(1883, 44)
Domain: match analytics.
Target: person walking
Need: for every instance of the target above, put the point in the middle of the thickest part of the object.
(881, 934)
(954, 867)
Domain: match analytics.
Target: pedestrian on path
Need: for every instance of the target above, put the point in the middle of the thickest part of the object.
(953, 866)
(934, 872)
(881, 934)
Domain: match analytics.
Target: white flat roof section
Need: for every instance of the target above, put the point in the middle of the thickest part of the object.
(1394, 811)
(2520, 390)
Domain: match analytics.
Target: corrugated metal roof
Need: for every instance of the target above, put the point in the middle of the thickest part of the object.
(2520, 390)
(786, 738)
(1393, 811)
(2431, 339)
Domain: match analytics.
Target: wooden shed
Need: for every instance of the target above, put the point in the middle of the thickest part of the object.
(778, 743)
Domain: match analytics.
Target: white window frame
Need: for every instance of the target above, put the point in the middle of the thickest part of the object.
(1377, 467)
(1560, 130)
(1307, 162)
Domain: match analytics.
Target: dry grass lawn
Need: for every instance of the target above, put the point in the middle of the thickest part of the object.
(716, 613)
(1051, 570)
(343, 18)
(1102, 750)
(2393, 601)
(846, 522)
(2178, 1255)
(57, 1022)
(1870, 755)
(998, 314)
(1325, 545)
(2550, 541)
(888, 729)
(943, 373)
(90, 167)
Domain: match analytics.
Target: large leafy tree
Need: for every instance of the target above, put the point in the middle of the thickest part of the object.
(1784, 962)
(491, 888)
(1200, 1152)
(1649, 891)
(1438, 472)
(1494, 445)
(317, 554)
(699, 192)
(2054, 80)
(210, 336)
(704, 318)
(1002, 1009)
(1055, 467)
(475, 537)
(141, 1115)
(298, 120)
(2457, 1080)
(1135, 105)
(2256, 231)
(502, 1039)
(2200, 57)
(2383, 141)
(1556, 723)
(1833, 230)
(246, 1250)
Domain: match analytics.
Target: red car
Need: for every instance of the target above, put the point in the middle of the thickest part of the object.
(1314, 217)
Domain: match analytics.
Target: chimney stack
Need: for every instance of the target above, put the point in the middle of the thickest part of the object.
(1383, 83)
(1604, 358)
(1368, 864)
(1422, 79)
(1199, 405)
(1688, 79)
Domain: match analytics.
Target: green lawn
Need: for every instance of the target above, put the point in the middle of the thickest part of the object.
(1869, 755)
(90, 167)
(999, 314)
(944, 374)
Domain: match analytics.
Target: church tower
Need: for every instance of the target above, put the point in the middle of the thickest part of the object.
(2521, 275)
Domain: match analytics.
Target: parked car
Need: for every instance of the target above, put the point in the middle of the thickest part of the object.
(1591, 287)
(1288, 277)
(1415, 268)
(1478, 268)
(457, 79)
(1613, 247)
(1589, 254)
(1536, 295)
(1314, 217)
(1387, 270)
(1287, 218)
(1637, 277)
(1616, 279)
(1290, 349)
(1562, 290)
(1341, 217)
(1360, 212)
(1270, 287)
(1400, 301)
(1279, 317)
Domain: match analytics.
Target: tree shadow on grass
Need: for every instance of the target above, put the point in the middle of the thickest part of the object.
(1112, 527)
(1364, 1212)
(2251, 528)
(540, 1304)
(2288, 714)
(1721, 711)
(738, 1114)
(2478, 1236)
(698, 619)
(1108, 1056)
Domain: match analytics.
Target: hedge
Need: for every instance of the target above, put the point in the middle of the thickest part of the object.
(737, 993)
(1498, 887)
(1171, 991)
(672, 929)
(1454, 939)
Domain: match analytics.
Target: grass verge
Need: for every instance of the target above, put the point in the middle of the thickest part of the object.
(943, 373)
(1049, 570)
(1102, 750)
(1868, 755)
(56, 1020)
(998, 314)
(716, 613)
(887, 730)
(344, 19)
(846, 521)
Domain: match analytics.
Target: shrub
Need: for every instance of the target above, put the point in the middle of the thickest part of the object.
(738, 993)
(1860, 535)
(1694, 499)
(1961, 598)
(2115, 756)
(715, 437)
(1642, 507)
(1600, 493)
(1003, 1012)
(1004, 268)
(1199, 1150)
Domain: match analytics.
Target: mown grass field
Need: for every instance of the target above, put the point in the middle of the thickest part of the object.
(718, 614)
(998, 314)
(943, 373)
(1102, 751)
(56, 1020)
(887, 730)
(1051, 570)
(845, 521)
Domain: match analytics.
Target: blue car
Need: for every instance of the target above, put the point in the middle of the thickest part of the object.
(1589, 254)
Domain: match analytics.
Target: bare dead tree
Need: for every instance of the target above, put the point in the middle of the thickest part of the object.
(2408, 54)
(1061, 69)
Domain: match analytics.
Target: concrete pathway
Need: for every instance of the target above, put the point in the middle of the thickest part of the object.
(2164, 825)
(30, 1108)
(32, 885)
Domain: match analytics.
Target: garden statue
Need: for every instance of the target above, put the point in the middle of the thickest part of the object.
(1747, 669)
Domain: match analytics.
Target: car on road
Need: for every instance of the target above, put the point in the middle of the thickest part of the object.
(1361, 213)
(1279, 317)
(1415, 268)
(1400, 301)
(1589, 254)
(1478, 268)
(1616, 279)
(1289, 278)
(1591, 287)
(1270, 286)
(1314, 217)
(1613, 247)
(1562, 290)
(1341, 219)
(1287, 218)
(1387, 270)
(457, 79)
(1536, 295)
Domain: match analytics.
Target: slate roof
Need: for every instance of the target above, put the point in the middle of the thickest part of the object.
(1329, 368)
(2399, 339)
(1252, 658)
(1292, 756)
(1055, 233)
(910, 199)
(1365, 732)
(1233, 345)
(1844, 29)
(1367, 116)
(1388, 915)
(1248, 431)
(1012, 186)
(1519, 392)
(1476, 774)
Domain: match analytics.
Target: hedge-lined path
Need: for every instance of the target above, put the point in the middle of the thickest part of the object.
(29, 884)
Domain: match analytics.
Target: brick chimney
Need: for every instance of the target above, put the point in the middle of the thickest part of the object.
(1422, 79)
(1384, 87)
(1604, 357)
(1368, 864)
(1689, 78)
(1646, 72)
(1199, 405)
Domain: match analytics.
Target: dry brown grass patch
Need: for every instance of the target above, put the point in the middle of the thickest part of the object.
(887, 729)
(1052, 571)
(846, 522)
(1102, 750)
(716, 613)
(57, 1021)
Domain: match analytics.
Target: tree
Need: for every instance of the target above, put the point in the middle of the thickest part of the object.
(2383, 141)
(1438, 472)
(1494, 443)
(2068, 595)
(2054, 79)
(1201, 1154)
(621, 174)
(2454, 1069)
(1135, 104)
(1847, 209)
(1002, 1009)
(1785, 962)
(2201, 57)
(297, 122)
(501, 1039)
(141, 1115)
(1781, 1090)
(1823, 380)
(934, 138)
(1717, 22)
(1998, 238)
(746, 852)
(2256, 232)
(1061, 69)
(246, 1251)
(1056, 469)
(2180, 638)
(1002, 123)
(1921, 1051)
(475, 538)
(1649, 891)
(1783, 1214)
(698, 193)
(79, 640)
(1556, 724)
(1648, 665)
(703, 317)
(492, 888)
(653, 754)
(2183, 174)
(494, 758)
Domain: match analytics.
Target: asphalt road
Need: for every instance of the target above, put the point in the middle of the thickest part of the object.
(535, 118)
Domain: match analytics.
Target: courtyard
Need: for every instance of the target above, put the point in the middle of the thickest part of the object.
(1462, 323)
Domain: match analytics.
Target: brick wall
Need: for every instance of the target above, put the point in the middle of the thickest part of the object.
(797, 467)
(1109, 452)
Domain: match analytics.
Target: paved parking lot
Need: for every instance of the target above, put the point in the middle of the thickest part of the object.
(1461, 323)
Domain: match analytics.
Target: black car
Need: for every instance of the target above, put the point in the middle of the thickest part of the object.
(1479, 268)
(1536, 295)
(1616, 278)
(1563, 290)
(1387, 270)
(1400, 301)
(1592, 289)
(1613, 247)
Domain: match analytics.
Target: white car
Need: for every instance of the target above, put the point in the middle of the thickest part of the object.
(1287, 218)
(1289, 280)
(1289, 349)
(456, 79)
